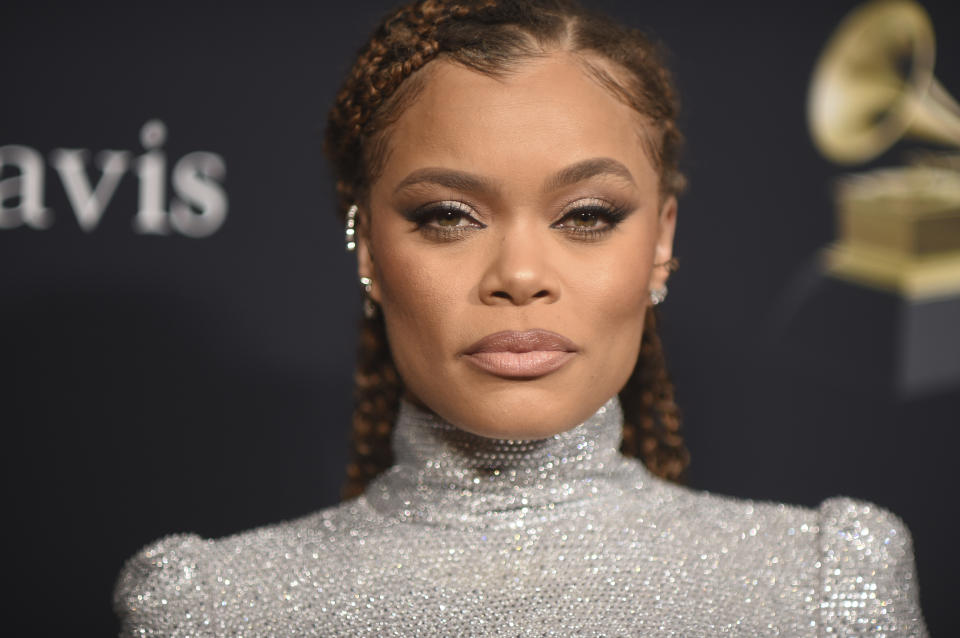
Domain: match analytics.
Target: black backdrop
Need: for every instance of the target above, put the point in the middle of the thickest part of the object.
(155, 383)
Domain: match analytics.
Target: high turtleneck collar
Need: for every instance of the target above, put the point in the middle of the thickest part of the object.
(445, 475)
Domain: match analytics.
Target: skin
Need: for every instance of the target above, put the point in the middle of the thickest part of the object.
(508, 256)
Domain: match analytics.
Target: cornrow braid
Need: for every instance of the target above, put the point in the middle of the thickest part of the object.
(402, 44)
(376, 396)
(651, 429)
(489, 36)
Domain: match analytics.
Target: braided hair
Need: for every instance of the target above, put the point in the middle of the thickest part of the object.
(491, 37)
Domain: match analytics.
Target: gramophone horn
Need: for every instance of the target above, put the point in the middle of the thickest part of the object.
(874, 84)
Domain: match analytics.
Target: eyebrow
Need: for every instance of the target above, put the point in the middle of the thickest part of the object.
(455, 180)
(468, 182)
(589, 168)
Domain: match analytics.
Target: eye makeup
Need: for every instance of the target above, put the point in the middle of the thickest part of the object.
(447, 220)
(590, 219)
(587, 219)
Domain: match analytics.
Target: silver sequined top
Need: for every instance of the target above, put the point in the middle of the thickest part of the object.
(468, 536)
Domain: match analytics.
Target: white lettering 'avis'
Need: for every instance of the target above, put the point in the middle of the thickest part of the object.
(198, 209)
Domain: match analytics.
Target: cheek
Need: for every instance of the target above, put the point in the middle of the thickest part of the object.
(614, 290)
(420, 301)
(410, 287)
(611, 300)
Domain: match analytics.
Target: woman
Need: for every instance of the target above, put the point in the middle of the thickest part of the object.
(508, 173)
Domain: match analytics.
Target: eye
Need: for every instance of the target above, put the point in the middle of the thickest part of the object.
(445, 220)
(451, 218)
(590, 219)
(584, 218)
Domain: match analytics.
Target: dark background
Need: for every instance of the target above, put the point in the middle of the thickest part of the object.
(156, 384)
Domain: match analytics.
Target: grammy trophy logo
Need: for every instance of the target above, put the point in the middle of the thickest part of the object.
(899, 226)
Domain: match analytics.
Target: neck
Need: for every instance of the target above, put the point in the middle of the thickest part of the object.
(446, 475)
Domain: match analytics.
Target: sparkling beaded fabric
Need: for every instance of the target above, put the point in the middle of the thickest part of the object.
(467, 536)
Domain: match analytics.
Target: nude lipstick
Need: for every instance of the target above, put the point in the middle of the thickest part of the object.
(521, 355)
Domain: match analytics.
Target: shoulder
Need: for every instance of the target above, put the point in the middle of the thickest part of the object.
(851, 527)
(851, 560)
(150, 588)
(748, 537)
(733, 515)
(867, 570)
(182, 583)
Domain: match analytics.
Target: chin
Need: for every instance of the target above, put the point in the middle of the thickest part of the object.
(520, 413)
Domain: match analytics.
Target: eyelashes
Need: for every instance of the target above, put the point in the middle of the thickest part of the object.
(447, 220)
(591, 219)
(587, 219)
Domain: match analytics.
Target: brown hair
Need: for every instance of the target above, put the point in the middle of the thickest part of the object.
(492, 36)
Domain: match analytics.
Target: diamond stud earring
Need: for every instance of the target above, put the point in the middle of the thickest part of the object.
(657, 295)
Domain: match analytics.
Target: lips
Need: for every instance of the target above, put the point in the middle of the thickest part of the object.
(526, 354)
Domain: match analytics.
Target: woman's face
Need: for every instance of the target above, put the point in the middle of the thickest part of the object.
(525, 208)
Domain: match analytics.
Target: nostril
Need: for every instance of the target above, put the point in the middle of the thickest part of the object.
(520, 297)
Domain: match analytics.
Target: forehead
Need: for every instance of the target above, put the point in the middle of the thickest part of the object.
(545, 114)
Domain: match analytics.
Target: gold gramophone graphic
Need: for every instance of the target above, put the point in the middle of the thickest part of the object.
(898, 227)
(878, 309)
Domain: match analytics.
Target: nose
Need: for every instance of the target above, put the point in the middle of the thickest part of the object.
(520, 272)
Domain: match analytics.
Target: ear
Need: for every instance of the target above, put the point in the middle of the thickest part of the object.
(663, 249)
(365, 264)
